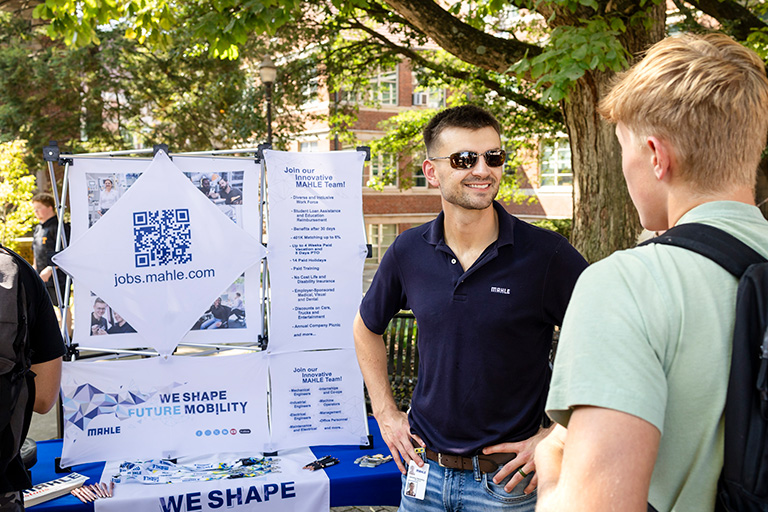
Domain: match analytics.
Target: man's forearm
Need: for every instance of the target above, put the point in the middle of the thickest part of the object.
(603, 461)
(47, 382)
(372, 358)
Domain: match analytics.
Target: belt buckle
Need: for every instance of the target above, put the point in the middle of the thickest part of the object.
(440, 460)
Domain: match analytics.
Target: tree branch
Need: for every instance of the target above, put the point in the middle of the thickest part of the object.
(741, 20)
(460, 39)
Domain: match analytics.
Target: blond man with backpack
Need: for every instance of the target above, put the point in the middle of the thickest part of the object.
(642, 372)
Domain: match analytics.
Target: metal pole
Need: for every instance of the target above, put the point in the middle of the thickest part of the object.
(264, 269)
(269, 113)
(263, 264)
(211, 152)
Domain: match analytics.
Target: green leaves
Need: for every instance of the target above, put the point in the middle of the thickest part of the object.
(571, 52)
(224, 25)
(77, 21)
(757, 40)
(16, 189)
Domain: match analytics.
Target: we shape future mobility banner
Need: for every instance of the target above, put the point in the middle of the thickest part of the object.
(317, 248)
(156, 408)
(161, 258)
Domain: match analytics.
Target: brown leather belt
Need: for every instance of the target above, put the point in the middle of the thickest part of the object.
(485, 463)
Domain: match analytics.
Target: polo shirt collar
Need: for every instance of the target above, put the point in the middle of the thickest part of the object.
(51, 221)
(434, 235)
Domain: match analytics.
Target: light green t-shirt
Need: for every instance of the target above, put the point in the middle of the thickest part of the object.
(648, 332)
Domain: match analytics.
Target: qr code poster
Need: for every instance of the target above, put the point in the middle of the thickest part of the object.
(162, 238)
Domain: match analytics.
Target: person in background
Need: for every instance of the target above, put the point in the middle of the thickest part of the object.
(120, 326)
(205, 188)
(230, 194)
(108, 197)
(44, 243)
(238, 309)
(219, 315)
(643, 360)
(98, 322)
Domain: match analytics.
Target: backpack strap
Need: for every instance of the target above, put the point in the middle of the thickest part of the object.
(723, 248)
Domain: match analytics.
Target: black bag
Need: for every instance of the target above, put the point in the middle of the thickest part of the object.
(743, 484)
(16, 379)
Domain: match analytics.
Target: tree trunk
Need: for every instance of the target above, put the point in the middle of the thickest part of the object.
(761, 188)
(604, 218)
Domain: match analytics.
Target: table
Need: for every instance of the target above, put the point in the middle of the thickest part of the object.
(351, 485)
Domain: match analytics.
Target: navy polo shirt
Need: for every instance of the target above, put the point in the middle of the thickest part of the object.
(484, 334)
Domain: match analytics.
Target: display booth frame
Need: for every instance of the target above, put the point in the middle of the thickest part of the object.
(52, 155)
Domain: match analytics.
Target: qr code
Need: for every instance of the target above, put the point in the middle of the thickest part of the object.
(161, 237)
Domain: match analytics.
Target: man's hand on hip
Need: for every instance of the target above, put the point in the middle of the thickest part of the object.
(396, 432)
(522, 465)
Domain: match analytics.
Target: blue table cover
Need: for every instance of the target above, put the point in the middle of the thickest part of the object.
(351, 485)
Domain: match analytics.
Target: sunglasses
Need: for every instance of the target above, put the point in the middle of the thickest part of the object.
(468, 159)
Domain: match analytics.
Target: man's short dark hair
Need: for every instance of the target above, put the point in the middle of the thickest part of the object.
(464, 116)
(45, 199)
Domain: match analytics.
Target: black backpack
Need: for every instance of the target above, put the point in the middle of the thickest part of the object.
(16, 379)
(743, 484)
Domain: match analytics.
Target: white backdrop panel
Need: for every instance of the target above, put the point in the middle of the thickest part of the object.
(317, 248)
(163, 274)
(317, 399)
(158, 408)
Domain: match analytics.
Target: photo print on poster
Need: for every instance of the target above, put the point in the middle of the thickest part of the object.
(106, 321)
(227, 310)
(104, 190)
(224, 189)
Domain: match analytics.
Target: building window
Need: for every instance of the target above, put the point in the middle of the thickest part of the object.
(555, 164)
(384, 87)
(429, 97)
(419, 180)
(381, 89)
(310, 90)
(383, 166)
(381, 237)
(308, 147)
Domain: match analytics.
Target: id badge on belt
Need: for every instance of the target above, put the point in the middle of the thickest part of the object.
(416, 481)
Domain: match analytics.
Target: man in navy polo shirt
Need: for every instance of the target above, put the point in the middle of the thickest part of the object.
(486, 289)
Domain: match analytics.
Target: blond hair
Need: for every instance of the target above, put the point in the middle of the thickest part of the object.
(707, 96)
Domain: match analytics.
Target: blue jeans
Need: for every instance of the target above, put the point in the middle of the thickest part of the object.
(456, 490)
(211, 323)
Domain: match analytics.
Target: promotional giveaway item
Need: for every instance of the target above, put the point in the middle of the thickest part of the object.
(45, 491)
(317, 399)
(317, 248)
(322, 463)
(372, 461)
(92, 492)
(160, 257)
(157, 408)
(169, 472)
(290, 489)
